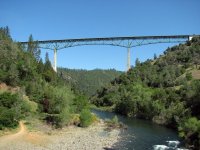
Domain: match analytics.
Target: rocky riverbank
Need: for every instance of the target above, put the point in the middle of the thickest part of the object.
(94, 137)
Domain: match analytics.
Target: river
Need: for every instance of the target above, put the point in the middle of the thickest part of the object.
(142, 134)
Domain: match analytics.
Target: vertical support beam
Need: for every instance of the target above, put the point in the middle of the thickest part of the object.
(55, 60)
(128, 58)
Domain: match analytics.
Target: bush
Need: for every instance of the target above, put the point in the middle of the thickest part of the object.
(188, 76)
(7, 118)
(190, 131)
(75, 119)
(12, 109)
(86, 118)
(64, 117)
(80, 103)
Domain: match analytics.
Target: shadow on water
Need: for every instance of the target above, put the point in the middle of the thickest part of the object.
(140, 134)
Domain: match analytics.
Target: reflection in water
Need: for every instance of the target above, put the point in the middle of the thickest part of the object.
(142, 134)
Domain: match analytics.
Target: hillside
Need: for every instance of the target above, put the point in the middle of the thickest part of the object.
(165, 90)
(88, 81)
(30, 88)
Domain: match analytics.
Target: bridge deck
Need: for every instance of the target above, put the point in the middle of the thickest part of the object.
(115, 39)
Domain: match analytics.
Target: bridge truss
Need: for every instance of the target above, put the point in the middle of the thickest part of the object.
(125, 42)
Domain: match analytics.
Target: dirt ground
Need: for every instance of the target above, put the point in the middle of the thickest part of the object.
(69, 138)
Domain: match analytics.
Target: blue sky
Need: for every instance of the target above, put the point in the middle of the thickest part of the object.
(63, 19)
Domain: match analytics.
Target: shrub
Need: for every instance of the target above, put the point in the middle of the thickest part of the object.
(86, 118)
(7, 118)
(12, 109)
(188, 76)
(80, 103)
(75, 119)
(64, 117)
(190, 131)
(114, 123)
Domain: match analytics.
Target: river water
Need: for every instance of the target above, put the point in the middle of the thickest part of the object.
(142, 134)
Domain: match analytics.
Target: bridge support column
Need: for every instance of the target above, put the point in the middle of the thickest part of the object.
(128, 59)
(55, 60)
(190, 38)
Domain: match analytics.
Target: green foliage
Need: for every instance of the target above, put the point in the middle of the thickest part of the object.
(5, 33)
(12, 109)
(115, 120)
(162, 90)
(154, 56)
(33, 48)
(56, 99)
(80, 102)
(48, 72)
(190, 131)
(137, 62)
(188, 76)
(7, 118)
(56, 104)
(46, 94)
(61, 119)
(190, 93)
(35, 91)
(8, 59)
(88, 82)
(86, 118)
(114, 123)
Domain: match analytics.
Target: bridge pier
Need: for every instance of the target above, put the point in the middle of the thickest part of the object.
(55, 60)
(190, 38)
(128, 58)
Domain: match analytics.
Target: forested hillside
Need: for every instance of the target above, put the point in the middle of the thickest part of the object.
(88, 81)
(31, 88)
(165, 90)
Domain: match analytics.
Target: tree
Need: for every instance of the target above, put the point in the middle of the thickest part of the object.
(40, 66)
(33, 48)
(154, 56)
(31, 45)
(7, 32)
(190, 131)
(80, 102)
(37, 52)
(46, 57)
(137, 62)
(12, 109)
(47, 65)
(188, 76)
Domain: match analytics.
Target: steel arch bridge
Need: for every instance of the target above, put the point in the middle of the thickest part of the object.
(125, 42)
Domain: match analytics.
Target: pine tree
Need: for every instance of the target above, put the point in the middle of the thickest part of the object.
(30, 44)
(137, 62)
(46, 57)
(155, 56)
(40, 66)
(37, 52)
(48, 72)
(7, 32)
(47, 65)
(33, 48)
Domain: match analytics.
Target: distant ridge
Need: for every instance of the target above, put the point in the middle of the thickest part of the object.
(88, 81)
